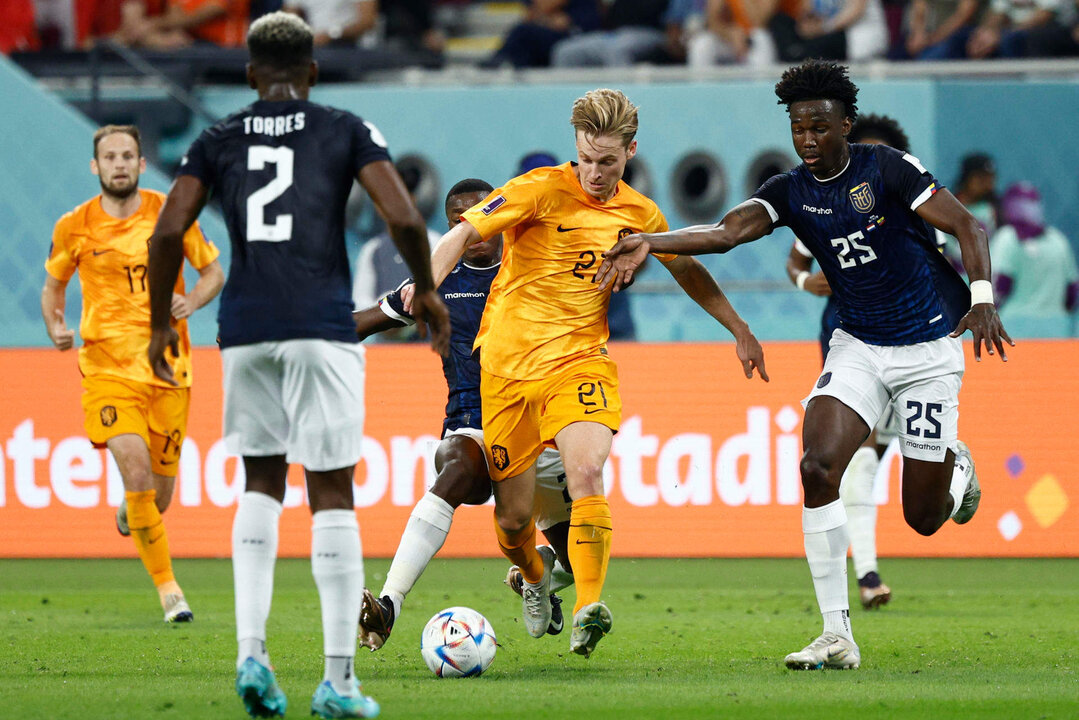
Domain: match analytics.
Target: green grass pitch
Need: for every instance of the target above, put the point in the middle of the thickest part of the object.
(692, 639)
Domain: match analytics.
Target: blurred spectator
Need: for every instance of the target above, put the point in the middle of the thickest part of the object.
(535, 159)
(336, 22)
(55, 21)
(1034, 270)
(682, 23)
(153, 25)
(1059, 38)
(976, 188)
(832, 30)
(410, 26)
(161, 25)
(1006, 28)
(634, 30)
(529, 43)
(379, 267)
(221, 22)
(18, 31)
(940, 29)
(736, 32)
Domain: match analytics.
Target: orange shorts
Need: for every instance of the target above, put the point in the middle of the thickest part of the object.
(114, 406)
(521, 417)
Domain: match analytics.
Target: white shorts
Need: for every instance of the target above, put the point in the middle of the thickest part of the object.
(299, 398)
(922, 381)
(552, 504)
(888, 426)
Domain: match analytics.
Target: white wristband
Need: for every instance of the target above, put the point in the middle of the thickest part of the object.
(981, 291)
(800, 280)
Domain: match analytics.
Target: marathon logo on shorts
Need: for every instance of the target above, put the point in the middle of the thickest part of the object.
(490, 207)
(824, 379)
(501, 456)
(861, 196)
(108, 415)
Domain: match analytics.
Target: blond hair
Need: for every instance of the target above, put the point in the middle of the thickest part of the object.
(605, 112)
(104, 132)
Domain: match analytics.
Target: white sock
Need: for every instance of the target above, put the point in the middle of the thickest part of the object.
(337, 564)
(825, 530)
(959, 484)
(856, 492)
(560, 577)
(254, 552)
(426, 531)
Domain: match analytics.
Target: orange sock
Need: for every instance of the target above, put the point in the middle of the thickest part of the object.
(520, 548)
(589, 547)
(148, 532)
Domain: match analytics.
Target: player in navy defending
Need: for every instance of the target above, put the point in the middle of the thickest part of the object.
(856, 487)
(860, 210)
(293, 369)
(460, 463)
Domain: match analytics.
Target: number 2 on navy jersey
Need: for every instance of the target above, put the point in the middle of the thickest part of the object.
(852, 252)
(257, 228)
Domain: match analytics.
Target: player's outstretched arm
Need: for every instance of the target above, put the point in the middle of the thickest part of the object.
(409, 234)
(944, 212)
(699, 284)
(372, 320)
(53, 297)
(182, 206)
(745, 223)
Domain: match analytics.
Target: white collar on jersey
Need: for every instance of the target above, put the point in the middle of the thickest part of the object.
(473, 267)
(834, 176)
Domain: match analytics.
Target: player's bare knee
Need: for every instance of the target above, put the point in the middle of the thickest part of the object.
(923, 521)
(457, 484)
(584, 479)
(511, 522)
(137, 478)
(818, 473)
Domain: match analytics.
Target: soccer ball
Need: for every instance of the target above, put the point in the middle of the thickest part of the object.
(458, 642)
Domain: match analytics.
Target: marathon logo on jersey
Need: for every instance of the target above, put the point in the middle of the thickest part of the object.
(861, 196)
(108, 415)
(501, 457)
(490, 207)
(824, 380)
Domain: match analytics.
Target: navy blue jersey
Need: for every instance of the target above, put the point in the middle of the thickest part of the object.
(465, 292)
(890, 284)
(283, 172)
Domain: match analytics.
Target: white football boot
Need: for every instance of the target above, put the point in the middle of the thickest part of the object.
(827, 651)
(536, 600)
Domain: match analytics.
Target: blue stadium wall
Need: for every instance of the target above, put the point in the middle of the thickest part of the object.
(1028, 126)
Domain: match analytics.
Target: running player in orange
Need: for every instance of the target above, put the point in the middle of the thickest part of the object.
(546, 379)
(141, 419)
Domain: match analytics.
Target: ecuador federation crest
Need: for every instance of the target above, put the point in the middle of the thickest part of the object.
(861, 196)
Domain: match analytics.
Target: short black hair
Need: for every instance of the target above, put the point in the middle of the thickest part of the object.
(469, 185)
(818, 80)
(975, 163)
(880, 127)
(281, 40)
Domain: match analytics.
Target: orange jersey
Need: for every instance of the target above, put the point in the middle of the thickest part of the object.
(544, 309)
(111, 256)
